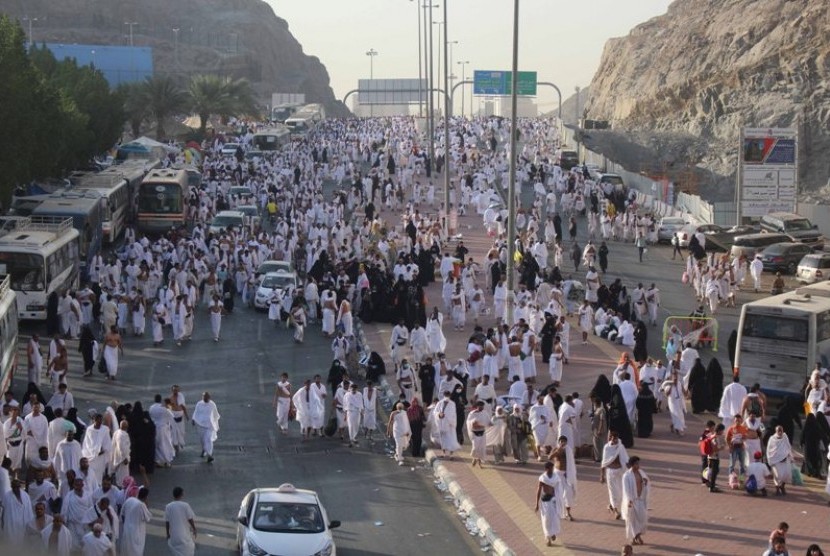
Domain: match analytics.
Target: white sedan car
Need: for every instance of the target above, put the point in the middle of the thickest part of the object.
(287, 521)
(274, 281)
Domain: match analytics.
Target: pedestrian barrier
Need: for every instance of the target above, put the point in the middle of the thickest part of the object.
(699, 331)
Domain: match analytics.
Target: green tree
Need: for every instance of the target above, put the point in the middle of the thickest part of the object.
(39, 122)
(135, 109)
(211, 94)
(92, 96)
(163, 98)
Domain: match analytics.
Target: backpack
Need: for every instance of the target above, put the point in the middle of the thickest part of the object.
(751, 485)
(705, 445)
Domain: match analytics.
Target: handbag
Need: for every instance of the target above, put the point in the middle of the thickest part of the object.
(547, 497)
(292, 413)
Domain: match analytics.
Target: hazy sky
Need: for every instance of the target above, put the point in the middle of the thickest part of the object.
(561, 40)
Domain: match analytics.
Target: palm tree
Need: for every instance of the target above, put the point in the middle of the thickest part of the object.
(134, 106)
(163, 98)
(211, 94)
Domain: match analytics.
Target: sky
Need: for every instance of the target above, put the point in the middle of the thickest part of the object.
(561, 40)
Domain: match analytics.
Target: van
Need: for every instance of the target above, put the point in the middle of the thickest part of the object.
(225, 220)
(568, 159)
(798, 228)
(750, 244)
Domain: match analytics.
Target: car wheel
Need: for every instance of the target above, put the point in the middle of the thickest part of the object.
(791, 268)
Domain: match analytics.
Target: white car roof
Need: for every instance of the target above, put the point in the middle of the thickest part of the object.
(231, 213)
(283, 494)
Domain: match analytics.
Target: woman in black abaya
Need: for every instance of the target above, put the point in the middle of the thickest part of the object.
(811, 442)
(640, 338)
(375, 367)
(601, 390)
(699, 388)
(646, 408)
(618, 417)
(142, 434)
(714, 378)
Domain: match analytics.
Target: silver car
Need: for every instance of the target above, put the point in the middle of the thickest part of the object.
(668, 226)
(813, 268)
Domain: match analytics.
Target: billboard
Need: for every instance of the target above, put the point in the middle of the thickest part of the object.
(498, 83)
(287, 98)
(119, 64)
(768, 171)
(391, 91)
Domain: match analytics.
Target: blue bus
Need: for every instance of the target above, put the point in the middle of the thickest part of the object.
(86, 208)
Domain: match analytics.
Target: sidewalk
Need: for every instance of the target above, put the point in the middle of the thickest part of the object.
(685, 519)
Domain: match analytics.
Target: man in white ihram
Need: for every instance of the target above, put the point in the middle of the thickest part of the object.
(206, 420)
(180, 525)
(731, 402)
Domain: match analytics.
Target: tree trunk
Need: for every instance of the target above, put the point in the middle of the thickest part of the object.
(203, 120)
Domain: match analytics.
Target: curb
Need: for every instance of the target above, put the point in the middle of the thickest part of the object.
(466, 507)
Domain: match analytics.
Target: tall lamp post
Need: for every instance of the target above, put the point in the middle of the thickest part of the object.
(131, 24)
(176, 45)
(31, 20)
(371, 53)
(463, 65)
(447, 107)
(420, 63)
(439, 24)
(511, 192)
(430, 96)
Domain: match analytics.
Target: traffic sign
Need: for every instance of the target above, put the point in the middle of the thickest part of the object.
(498, 83)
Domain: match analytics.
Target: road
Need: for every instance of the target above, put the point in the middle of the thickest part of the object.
(385, 509)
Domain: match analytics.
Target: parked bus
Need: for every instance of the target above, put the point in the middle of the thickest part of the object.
(272, 138)
(86, 208)
(781, 338)
(39, 257)
(8, 333)
(117, 207)
(162, 200)
(194, 176)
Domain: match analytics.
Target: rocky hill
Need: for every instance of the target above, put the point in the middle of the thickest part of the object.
(238, 38)
(709, 67)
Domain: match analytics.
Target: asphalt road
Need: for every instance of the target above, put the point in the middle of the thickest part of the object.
(384, 508)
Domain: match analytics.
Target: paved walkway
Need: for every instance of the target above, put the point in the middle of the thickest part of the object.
(685, 519)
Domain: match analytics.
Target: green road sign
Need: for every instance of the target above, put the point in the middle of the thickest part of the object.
(498, 83)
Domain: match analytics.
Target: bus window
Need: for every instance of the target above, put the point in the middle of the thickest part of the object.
(774, 327)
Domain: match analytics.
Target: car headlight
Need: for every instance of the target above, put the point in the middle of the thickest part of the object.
(255, 550)
(327, 550)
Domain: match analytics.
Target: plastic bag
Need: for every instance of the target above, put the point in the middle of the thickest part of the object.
(685, 278)
(798, 480)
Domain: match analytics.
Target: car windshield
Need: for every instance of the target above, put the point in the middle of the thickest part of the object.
(225, 221)
(613, 180)
(159, 198)
(775, 249)
(284, 517)
(798, 225)
(810, 262)
(673, 221)
(280, 281)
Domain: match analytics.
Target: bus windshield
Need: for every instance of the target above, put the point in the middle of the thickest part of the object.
(776, 327)
(25, 270)
(160, 198)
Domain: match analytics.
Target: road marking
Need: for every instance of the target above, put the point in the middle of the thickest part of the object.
(261, 378)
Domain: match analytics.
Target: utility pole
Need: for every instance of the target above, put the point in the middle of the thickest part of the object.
(447, 107)
(371, 53)
(420, 62)
(176, 45)
(431, 123)
(131, 24)
(463, 65)
(31, 20)
(511, 192)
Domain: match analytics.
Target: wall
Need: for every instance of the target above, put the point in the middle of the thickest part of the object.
(119, 64)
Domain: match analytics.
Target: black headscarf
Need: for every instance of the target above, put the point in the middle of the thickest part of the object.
(618, 417)
(601, 390)
(699, 388)
(646, 408)
(714, 378)
(32, 388)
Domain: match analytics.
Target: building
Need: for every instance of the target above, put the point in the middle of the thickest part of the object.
(119, 64)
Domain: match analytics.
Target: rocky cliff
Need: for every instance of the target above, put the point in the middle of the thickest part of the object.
(238, 38)
(709, 67)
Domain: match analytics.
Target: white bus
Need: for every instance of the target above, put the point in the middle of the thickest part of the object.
(8, 333)
(40, 256)
(781, 338)
(119, 186)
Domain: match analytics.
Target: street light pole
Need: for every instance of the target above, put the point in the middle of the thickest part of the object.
(371, 53)
(176, 45)
(420, 69)
(130, 24)
(431, 122)
(511, 192)
(439, 24)
(447, 156)
(30, 20)
(463, 65)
